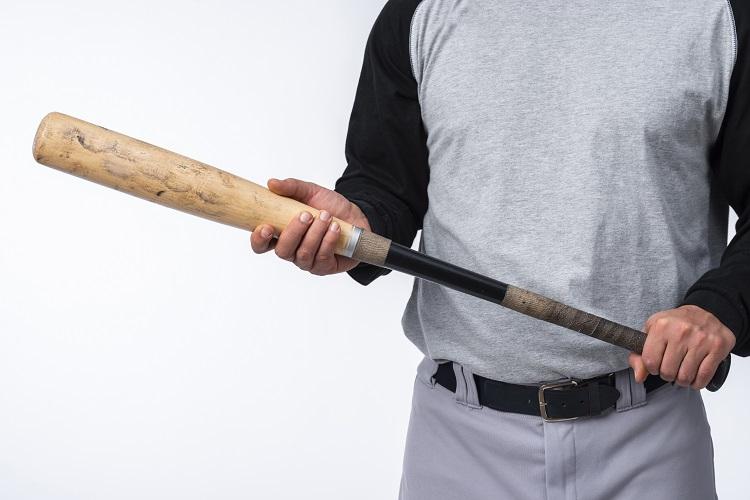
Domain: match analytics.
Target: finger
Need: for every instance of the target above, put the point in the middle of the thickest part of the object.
(706, 371)
(292, 188)
(325, 260)
(653, 350)
(639, 369)
(308, 249)
(260, 239)
(689, 368)
(670, 363)
(292, 235)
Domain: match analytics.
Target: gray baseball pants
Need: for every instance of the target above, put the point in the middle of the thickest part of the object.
(656, 446)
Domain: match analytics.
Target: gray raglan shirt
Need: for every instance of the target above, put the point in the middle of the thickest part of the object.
(584, 150)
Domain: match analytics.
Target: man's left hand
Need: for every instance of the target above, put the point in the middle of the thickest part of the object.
(684, 345)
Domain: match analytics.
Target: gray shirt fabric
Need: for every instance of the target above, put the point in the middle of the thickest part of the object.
(552, 171)
(568, 149)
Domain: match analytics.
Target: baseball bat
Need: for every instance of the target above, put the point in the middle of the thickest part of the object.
(160, 176)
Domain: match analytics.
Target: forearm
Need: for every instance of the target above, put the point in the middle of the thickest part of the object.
(386, 147)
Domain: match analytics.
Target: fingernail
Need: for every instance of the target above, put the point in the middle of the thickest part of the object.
(325, 216)
(266, 232)
(305, 217)
(335, 227)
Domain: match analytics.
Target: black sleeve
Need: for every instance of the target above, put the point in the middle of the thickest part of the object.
(725, 290)
(386, 152)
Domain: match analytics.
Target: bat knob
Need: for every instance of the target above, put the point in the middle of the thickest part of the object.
(721, 375)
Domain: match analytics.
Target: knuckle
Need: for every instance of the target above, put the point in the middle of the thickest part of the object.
(717, 343)
(650, 360)
(668, 374)
(653, 317)
(700, 384)
(706, 373)
(650, 363)
(700, 336)
(729, 345)
(684, 379)
(731, 340)
(682, 331)
(304, 255)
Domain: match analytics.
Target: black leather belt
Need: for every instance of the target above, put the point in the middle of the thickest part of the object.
(565, 400)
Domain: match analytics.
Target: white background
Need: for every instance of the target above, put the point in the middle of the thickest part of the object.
(148, 354)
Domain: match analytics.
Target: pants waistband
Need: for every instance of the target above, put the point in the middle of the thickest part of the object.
(632, 393)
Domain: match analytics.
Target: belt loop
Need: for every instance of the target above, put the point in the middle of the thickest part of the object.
(632, 394)
(426, 369)
(466, 387)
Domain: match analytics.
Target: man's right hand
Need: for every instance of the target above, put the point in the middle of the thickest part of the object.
(309, 241)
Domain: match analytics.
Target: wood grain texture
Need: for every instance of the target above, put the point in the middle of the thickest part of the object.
(546, 309)
(372, 248)
(160, 176)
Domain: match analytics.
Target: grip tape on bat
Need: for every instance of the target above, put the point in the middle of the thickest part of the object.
(546, 309)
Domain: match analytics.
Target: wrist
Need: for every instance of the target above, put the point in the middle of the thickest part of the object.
(358, 218)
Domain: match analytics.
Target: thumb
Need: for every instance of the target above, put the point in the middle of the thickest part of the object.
(636, 363)
(293, 188)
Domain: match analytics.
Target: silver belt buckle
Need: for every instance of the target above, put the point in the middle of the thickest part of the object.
(543, 403)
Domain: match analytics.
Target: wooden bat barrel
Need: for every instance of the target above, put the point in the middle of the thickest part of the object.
(117, 161)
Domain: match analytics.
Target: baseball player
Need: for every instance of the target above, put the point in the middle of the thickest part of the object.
(586, 150)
